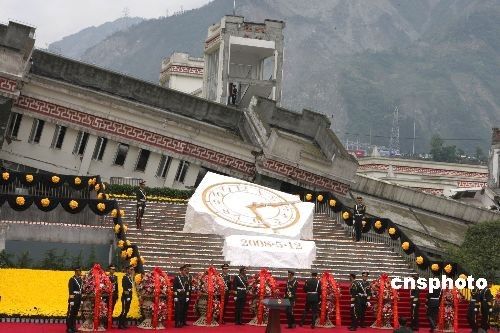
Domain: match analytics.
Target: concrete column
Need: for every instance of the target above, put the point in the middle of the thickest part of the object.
(169, 179)
(3, 236)
(87, 155)
(192, 174)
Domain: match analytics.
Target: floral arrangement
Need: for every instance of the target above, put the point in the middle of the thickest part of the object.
(448, 308)
(330, 296)
(95, 284)
(261, 285)
(157, 284)
(210, 285)
(386, 306)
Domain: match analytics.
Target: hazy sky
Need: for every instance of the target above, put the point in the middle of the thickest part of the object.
(55, 19)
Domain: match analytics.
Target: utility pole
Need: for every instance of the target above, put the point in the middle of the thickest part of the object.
(234, 7)
(413, 146)
(394, 141)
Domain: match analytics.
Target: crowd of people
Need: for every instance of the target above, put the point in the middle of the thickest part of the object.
(364, 296)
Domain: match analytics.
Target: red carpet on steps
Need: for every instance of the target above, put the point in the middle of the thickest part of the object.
(229, 328)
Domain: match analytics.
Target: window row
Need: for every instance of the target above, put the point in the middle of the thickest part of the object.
(99, 149)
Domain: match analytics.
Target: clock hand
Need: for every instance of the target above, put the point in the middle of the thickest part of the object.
(253, 208)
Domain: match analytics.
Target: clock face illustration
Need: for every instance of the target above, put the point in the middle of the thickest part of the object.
(250, 205)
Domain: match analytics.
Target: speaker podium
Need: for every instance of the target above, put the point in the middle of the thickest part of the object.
(275, 305)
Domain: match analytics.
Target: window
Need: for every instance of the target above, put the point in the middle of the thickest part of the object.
(81, 143)
(142, 161)
(36, 131)
(121, 154)
(14, 123)
(163, 166)
(58, 138)
(181, 171)
(100, 146)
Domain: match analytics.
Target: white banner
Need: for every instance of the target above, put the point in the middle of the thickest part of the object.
(261, 251)
(228, 206)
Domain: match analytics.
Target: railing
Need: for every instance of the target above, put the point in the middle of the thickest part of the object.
(371, 236)
(41, 189)
(125, 181)
(33, 215)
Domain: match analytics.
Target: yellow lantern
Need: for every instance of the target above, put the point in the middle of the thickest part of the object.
(345, 215)
(392, 231)
(55, 179)
(463, 276)
(142, 260)
(309, 196)
(435, 267)
(405, 246)
(448, 268)
(130, 251)
(114, 212)
(123, 254)
(90, 182)
(320, 198)
(125, 228)
(73, 204)
(332, 202)
(133, 261)
(122, 212)
(20, 201)
(138, 278)
(378, 224)
(97, 187)
(5, 175)
(45, 202)
(121, 243)
(29, 178)
(78, 181)
(101, 207)
(419, 260)
(128, 243)
(117, 228)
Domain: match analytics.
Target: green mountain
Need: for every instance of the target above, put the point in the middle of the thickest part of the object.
(356, 60)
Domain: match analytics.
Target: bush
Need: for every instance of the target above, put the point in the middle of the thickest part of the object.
(150, 191)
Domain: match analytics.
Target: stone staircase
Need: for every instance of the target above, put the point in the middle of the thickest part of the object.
(162, 243)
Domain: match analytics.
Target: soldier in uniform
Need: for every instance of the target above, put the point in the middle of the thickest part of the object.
(182, 293)
(126, 297)
(486, 299)
(355, 291)
(227, 286)
(312, 288)
(75, 284)
(291, 290)
(141, 203)
(114, 282)
(365, 295)
(359, 214)
(240, 291)
(433, 300)
(414, 306)
(473, 310)
(189, 291)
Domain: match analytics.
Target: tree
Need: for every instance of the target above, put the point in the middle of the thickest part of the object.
(51, 260)
(24, 260)
(442, 153)
(480, 154)
(77, 261)
(479, 252)
(5, 260)
(92, 257)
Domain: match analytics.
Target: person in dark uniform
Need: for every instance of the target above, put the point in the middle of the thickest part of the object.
(114, 282)
(234, 93)
(355, 291)
(486, 299)
(291, 290)
(189, 289)
(365, 295)
(240, 291)
(312, 288)
(359, 214)
(75, 284)
(433, 300)
(403, 326)
(473, 310)
(182, 292)
(414, 305)
(126, 297)
(141, 203)
(227, 287)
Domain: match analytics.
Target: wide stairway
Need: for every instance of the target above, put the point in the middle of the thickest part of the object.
(162, 243)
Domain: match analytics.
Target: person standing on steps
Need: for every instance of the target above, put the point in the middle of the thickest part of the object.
(365, 295)
(75, 284)
(126, 297)
(182, 293)
(414, 305)
(227, 287)
(355, 291)
(433, 300)
(359, 214)
(290, 294)
(473, 310)
(240, 283)
(486, 299)
(141, 203)
(312, 288)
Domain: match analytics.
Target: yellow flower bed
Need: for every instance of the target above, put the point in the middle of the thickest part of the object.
(44, 293)
(148, 197)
